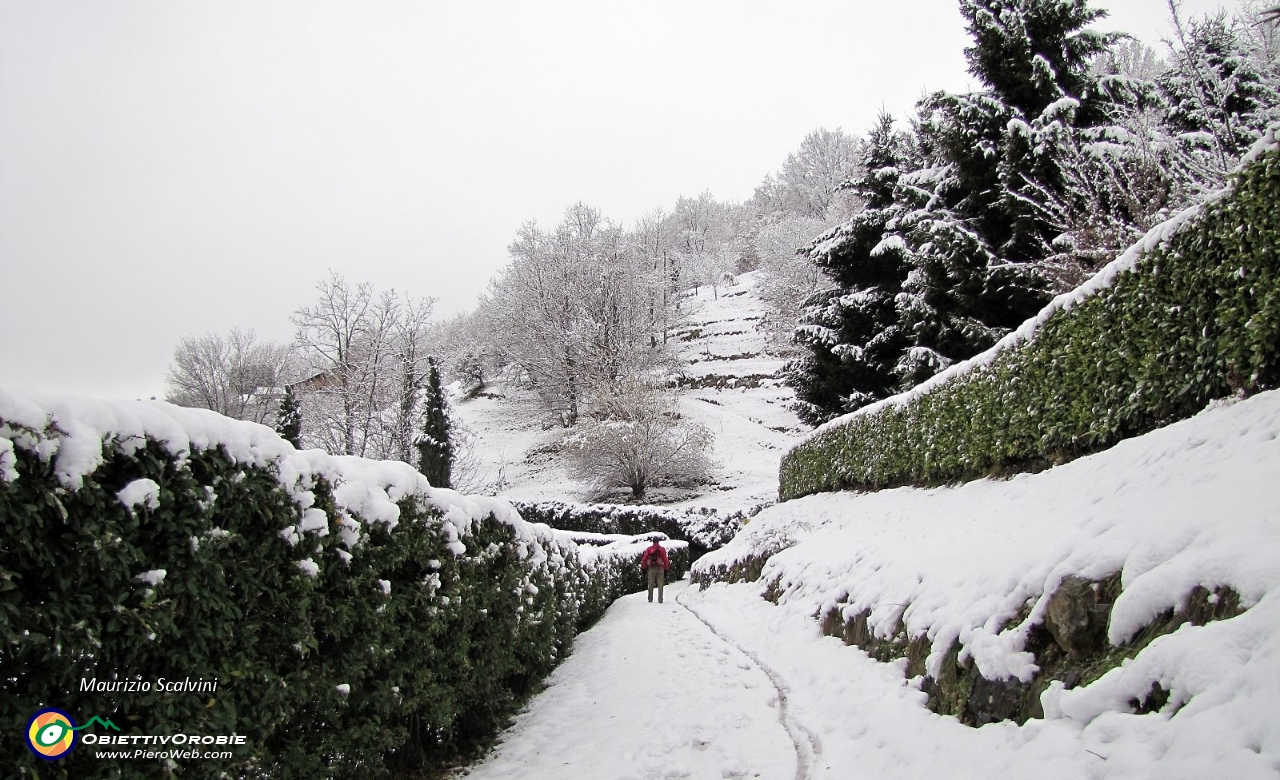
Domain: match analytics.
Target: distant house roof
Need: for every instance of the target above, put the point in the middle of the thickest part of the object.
(317, 380)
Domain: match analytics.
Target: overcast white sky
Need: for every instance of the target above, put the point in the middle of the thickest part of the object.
(173, 168)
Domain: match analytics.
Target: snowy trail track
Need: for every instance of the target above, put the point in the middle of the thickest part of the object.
(653, 692)
(805, 742)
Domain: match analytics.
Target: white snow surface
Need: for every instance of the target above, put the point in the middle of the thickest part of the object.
(752, 426)
(140, 491)
(153, 577)
(7, 460)
(651, 692)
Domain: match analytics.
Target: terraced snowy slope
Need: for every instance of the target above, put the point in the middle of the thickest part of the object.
(733, 387)
(729, 384)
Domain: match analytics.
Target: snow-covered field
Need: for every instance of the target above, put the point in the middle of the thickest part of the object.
(733, 390)
(1194, 503)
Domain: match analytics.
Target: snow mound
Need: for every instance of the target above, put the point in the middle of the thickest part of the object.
(140, 491)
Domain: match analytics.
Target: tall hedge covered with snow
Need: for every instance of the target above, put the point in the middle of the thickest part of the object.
(357, 622)
(1190, 314)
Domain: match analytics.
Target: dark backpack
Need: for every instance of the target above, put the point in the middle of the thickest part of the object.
(653, 557)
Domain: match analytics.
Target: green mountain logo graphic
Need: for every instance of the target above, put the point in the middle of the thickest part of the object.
(106, 724)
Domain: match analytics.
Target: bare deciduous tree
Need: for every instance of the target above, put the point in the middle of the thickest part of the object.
(368, 363)
(788, 278)
(809, 183)
(578, 309)
(235, 375)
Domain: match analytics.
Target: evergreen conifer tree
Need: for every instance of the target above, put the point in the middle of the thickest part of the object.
(1219, 98)
(289, 418)
(435, 446)
(851, 331)
(949, 253)
(980, 235)
(1032, 53)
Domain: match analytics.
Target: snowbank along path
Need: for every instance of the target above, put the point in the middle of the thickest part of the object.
(651, 692)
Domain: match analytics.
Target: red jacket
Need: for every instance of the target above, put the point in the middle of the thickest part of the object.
(655, 556)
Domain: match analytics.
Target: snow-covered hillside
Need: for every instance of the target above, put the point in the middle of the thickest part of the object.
(730, 385)
(1191, 504)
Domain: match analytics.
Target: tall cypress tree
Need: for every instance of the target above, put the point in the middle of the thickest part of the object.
(435, 447)
(289, 418)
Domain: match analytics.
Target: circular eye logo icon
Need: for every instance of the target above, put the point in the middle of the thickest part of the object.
(50, 734)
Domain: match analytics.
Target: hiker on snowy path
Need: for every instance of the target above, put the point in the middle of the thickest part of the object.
(655, 563)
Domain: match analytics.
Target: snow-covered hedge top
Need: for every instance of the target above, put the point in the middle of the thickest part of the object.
(705, 529)
(1102, 280)
(72, 432)
(589, 537)
(628, 548)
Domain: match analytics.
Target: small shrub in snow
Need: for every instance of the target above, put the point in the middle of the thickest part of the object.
(641, 443)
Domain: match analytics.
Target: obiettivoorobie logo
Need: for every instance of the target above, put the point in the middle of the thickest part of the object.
(51, 733)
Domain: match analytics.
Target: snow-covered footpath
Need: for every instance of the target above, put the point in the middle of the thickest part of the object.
(1196, 503)
(649, 692)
